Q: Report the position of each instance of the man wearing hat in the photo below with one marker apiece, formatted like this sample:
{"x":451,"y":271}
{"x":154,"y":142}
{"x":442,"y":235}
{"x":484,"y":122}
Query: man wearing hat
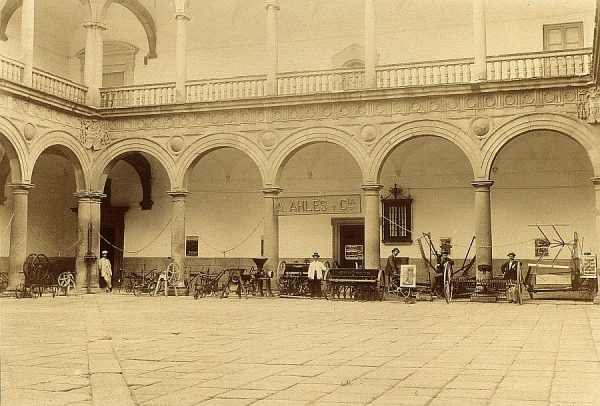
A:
{"x":316,"y":271}
{"x":393,"y":265}
{"x":509,"y":268}
{"x":105,"y":270}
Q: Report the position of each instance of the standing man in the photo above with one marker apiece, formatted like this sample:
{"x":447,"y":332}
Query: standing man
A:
{"x":437,"y":279}
{"x":316,"y":271}
{"x":105,"y":270}
{"x":393,"y":265}
{"x":509,"y":268}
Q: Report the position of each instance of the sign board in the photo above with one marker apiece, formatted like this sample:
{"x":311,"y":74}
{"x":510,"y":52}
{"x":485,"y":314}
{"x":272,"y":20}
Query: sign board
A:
{"x":353,"y":252}
{"x":325,"y":204}
{"x":408,"y":276}
{"x":588,"y":266}
{"x":191,"y":246}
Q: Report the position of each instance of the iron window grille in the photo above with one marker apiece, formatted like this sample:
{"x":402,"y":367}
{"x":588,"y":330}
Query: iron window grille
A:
{"x":397,"y":217}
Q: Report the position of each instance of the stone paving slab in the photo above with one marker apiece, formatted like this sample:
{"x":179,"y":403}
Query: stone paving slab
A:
{"x":117,"y":349}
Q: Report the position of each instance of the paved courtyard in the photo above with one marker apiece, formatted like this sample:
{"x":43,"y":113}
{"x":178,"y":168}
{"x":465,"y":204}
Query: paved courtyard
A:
{"x":117,"y":349}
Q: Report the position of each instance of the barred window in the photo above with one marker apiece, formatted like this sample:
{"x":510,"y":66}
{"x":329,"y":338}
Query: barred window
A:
{"x":397,"y":217}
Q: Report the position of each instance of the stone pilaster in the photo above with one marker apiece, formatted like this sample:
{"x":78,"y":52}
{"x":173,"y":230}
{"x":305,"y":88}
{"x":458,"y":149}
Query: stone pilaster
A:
{"x":372,"y":226}
{"x":271,"y":228}
{"x":272,"y":7}
{"x":18,"y":234}
{"x":27,"y":35}
{"x":483,"y":224}
{"x":178,"y":229}
{"x":370,"y":45}
{"x":596,"y":182}
{"x":181,"y":54}
{"x":479,"y":41}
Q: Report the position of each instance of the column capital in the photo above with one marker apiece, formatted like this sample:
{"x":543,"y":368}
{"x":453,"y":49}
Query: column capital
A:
{"x":94,"y":24}
{"x":272,"y":4}
{"x":89,"y":196}
{"x":482,"y":183}
{"x":596,"y":181}
{"x":182,"y":15}
{"x":178,"y":195}
{"x":21,"y":187}
{"x":372,"y":188}
{"x":271,"y":191}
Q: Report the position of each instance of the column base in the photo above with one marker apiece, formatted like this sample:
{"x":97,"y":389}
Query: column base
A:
{"x":597,"y":300}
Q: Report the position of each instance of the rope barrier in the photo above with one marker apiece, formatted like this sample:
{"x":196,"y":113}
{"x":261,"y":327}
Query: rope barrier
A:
{"x":6,"y":229}
{"x":236,"y":246}
{"x":60,"y":252}
{"x":137,"y":251}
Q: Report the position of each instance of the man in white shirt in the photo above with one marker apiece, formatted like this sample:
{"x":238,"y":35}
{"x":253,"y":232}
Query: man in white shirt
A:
{"x":105,"y":270}
{"x":316,"y":270}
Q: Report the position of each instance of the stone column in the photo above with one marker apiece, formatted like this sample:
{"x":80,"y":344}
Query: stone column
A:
{"x":479,"y":73}
{"x":372,"y":226}
{"x":181,"y":52}
{"x":178,"y":229}
{"x":483,"y":224}
{"x":271,"y":228}
{"x":370,"y":45}
{"x":27,"y":28}
{"x":272,"y":7}
{"x":94,"y":61}
{"x":83,"y":234}
{"x":18,"y":235}
{"x":596,"y":182}
{"x":95,"y":201}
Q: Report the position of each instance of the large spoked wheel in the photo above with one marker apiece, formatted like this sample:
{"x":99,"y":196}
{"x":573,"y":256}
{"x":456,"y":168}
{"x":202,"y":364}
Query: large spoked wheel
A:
{"x":447,"y":283}
{"x":65,"y":279}
{"x":519,"y":286}
{"x":281,"y":268}
{"x":152,"y":288}
{"x":588,"y":289}
{"x":172,"y":273}
{"x":20,"y":291}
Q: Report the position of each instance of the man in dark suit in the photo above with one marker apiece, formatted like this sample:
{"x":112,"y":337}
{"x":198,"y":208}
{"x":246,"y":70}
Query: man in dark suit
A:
{"x":437,"y":279}
{"x":509,"y":268}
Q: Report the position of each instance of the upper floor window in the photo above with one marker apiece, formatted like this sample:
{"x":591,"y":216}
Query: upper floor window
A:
{"x":563,"y":36}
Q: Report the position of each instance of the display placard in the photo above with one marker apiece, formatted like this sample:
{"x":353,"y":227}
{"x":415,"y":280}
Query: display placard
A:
{"x":353,"y":252}
{"x":588,"y":266}
{"x":191,"y":246}
{"x":408,"y":276}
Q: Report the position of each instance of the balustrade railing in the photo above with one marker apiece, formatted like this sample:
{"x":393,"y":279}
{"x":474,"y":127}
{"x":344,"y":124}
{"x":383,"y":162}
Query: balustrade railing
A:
{"x":139,"y":95}
{"x":575,"y":62}
{"x":57,"y":86}
{"x":11,"y":70}
{"x":337,"y":80}
{"x":246,"y":87}
{"x":425,"y":73}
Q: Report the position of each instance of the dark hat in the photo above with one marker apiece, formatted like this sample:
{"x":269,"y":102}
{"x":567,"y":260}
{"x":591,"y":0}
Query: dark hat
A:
{"x":511,"y":253}
{"x":316,"y":254}
{"x":396,"y":249}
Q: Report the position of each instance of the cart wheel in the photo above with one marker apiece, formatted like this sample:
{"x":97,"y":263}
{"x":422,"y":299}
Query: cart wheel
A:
{"x":152,"y":288}
{"x":137,"y":290}
{"x":587,"y":289}
{"x":20,"y":291}
{"x":196,"y":294}
{"x":64,"y":279}
{"x":447,"y":284}
{"x":36,"y":291}
{"x":281,"y":268}
{"x":172,"y":273}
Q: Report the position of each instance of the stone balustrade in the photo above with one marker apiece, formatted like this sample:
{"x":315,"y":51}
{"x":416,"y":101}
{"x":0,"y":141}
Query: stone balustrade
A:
{"x":567,"y":63}
{"x":139,"y":95}
{"x":11,"y":70}
{"x":576,"y":62}
{"x":246,"y":87}
{"x":57,"y":86}
{"x":337,"y":80}
{"x":425,"y":73}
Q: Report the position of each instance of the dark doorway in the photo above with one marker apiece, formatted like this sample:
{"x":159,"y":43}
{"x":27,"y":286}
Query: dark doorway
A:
{"x":352,"y":241}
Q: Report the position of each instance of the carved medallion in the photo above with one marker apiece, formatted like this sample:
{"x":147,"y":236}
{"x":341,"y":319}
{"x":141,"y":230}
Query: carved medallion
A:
{"x":176,"y":144}
{"x":29,"y":131}
{"x":94,"y":134}
{"x":268,"y":139}
{"x":481,"y":126}
{"x":369,"y":133}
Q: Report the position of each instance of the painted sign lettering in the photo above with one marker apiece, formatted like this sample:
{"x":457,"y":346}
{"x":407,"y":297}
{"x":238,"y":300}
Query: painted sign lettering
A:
{"x":325,"y":204}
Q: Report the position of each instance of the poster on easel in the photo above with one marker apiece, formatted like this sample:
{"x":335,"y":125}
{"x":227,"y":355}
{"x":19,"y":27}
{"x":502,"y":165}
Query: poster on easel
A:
{"x":408,"y":276}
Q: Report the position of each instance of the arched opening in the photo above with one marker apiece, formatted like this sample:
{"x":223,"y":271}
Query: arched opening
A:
{"x":437,"y":175}
{"x":52,"y":207}
{"x":541,"y":177}
{"x":321,"y":201}
{"x":135,"y":214}
{"x":224,"y":210}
